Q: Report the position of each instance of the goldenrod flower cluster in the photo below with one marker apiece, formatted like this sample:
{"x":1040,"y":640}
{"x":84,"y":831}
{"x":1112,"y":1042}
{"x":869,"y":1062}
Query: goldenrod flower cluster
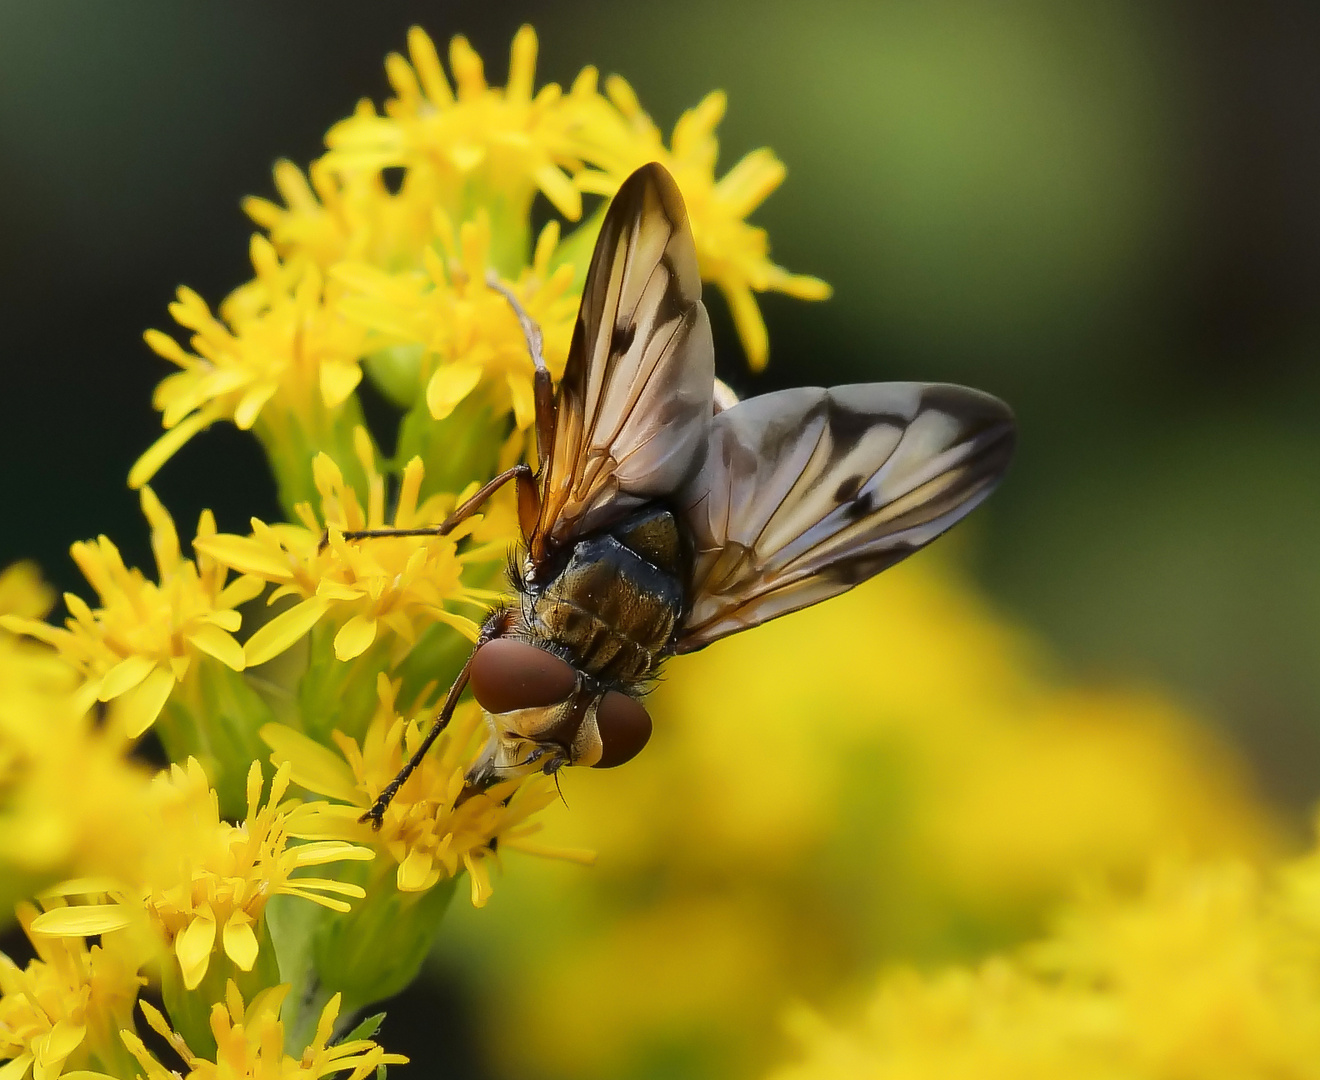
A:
{"x":1211,"y":971}
{"x":979,"y":867}
{"x":285,"y":672}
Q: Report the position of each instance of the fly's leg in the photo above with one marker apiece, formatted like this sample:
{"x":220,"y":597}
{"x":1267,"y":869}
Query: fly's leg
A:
{"x":497,"y":625}
{"x":528,"y":497}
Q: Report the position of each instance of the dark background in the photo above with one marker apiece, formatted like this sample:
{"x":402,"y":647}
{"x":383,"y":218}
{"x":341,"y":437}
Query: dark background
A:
{"x":1106,"y":212}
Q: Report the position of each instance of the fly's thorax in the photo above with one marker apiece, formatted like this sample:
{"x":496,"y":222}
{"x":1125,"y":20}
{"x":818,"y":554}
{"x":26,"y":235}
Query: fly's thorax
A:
{"x":615,"y":601}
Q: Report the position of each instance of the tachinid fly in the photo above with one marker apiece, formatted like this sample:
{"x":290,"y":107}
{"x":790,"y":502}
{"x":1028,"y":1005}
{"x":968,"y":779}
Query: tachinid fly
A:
{"x":663,"y":517}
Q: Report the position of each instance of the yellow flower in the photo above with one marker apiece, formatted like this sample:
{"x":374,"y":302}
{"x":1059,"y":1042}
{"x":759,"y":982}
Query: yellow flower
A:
{"x":209,"y":882}
{"x":327,"y":218}
{"x":468,"y":331}
{"x":892,"y":774}
{"x":618,"y":136}
{"x":71,"y":801}
{"x":288,"y":361}
{"x":144,"y":638}
{"x":481,"y":144}
{"x":436,"y":827}
{"x":250,"y":1043}
{"x":64,"y":1010}
{"x":1198,"y":977}
{"x":398,"y":584}
{"x":22,"y":592}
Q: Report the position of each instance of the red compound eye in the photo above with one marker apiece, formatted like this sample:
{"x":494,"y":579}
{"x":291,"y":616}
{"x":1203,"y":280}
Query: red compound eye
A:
{"x":624,"y":729}
{"x":508,"y":675}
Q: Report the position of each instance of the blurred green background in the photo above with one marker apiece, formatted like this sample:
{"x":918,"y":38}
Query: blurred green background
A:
{"x":1106,"y":212}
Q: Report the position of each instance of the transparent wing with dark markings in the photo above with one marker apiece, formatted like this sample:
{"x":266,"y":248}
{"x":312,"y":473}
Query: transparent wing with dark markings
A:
{"x":805,"y":493}
{"x":633,"y":409}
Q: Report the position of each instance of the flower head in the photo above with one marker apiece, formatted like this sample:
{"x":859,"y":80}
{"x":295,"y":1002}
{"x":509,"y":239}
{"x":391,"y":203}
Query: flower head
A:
{"x":1199,"y":977}
{"x":208,"y":883}
{"x":146,"y":636}
{"x":65,"y":1008}
{"x":618,"y":136}
{"x":466,"y":330}
{"x":436,"y":827}
{"x":287,"y":359}
{"x":500,"y":145}
{"x":399,"y":584}
{"x":250,"y":1043}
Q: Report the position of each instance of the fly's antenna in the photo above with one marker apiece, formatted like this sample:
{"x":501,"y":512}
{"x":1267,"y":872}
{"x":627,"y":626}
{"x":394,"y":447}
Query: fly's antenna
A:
{"x":542,"y":391}
{"x":531,"y":331}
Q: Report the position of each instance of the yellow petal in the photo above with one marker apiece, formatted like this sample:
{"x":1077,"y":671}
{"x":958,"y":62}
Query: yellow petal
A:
{"x":320,"y":852}
{"x":427,"y":62}
{"x":58,"y":1043}
{"x":466,"y":627}
{"x":215,"y":642}
{"x":450,"y":385}
{"x":416,"y":872}
{"x":747,"y":319}
{"x":313,"y":766}
{"x":245,"y":555}
{"x":193,"y":948}
{"x":355,"y":637}
{"x":80,"y":920}
{"x":339,"y":378}
{"x":139,"y":708}
{"x":251,"y":403}
{"x":165,"y":447}
{"x":18,"y":1068}
{"x":239,"y":591}
{"x":479,"y":876}
{"x":125,"y":675}
{"x":81,"y":886}
{"x":240,"y":941}
{"x":560,"y":190}
{"x":283,"y":630}
{"x":524,"y":400}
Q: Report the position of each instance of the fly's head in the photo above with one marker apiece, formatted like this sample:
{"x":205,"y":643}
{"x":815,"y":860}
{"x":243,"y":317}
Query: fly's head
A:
{"x":545,"y":714}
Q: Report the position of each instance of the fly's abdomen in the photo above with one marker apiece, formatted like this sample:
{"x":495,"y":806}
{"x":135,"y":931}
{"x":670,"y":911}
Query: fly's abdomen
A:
{"x":613,"y":609}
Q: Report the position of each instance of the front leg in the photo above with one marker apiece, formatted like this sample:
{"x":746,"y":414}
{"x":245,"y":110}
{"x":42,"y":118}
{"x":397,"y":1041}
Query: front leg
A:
{"x":529,"y":503}
{"x":496,"y":625}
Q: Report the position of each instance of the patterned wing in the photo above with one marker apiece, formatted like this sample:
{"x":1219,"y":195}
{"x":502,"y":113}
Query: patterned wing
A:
{"x":805,"y":493}
{"x":634,"y":407}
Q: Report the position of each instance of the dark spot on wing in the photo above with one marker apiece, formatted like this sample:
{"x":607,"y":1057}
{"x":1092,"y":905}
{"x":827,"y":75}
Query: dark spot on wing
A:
{"x":622,"y":340}
{"x":979,"y":415}
{"x":849,"y":488}
{"x":861,"y":506}
{"x":854,"y":571}
{"x":848,"y":426}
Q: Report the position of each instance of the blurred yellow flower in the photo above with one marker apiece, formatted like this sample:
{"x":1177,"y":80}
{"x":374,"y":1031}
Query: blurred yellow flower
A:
{"x":1198,"y":977}
{"x":892,"y":774}
{"x":144,"y":638}
{"x":65,"y":1008}
{"x":71,"y":802}
{"x":436,"y":827}
{"x":398,"y":584}
{"x":209,"y":885}
{"x":250,"y":1042}
{"x":23,"y":592}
